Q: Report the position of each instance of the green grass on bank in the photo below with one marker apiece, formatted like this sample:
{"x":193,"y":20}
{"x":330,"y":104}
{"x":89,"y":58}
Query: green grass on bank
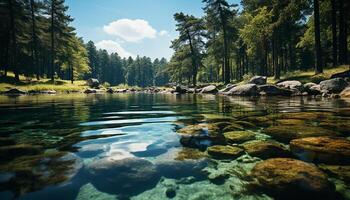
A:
{"x":26,"y":84}
{"x":309,"y":76}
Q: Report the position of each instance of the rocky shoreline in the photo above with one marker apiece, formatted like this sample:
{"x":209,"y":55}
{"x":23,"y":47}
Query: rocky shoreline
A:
{"x":257,"y":86}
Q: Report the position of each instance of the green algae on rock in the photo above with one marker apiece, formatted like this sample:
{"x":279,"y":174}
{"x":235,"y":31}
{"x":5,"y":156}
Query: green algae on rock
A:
{"x":266,"y":149}
{"x":285,"y":178}
{"x":287,"y":133}
{"x":328,"y":150}
{"x":238,"y":136}
{"x":38,"y":171}
{"x":189,"y":154}
{"x":225,"y":152}
{"x":339,"y":171}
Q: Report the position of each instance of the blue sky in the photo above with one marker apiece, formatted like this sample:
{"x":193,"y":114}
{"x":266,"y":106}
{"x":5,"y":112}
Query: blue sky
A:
{"x":131,"y":27}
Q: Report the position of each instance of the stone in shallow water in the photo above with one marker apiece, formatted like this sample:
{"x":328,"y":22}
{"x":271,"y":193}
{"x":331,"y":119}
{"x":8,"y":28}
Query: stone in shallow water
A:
{"x":225,"y":152}
{"x":4,"y":141}
{"x":266,"y":149}
{"x":189,"y":154}
{"x":340,"y":171}
{"x":285,"y":178}
{"x":286,"y":133}
{"x":126,"y":176}
{"x":239,"y":136}
{"x":329,"y":150}
{"x":13,"y":151}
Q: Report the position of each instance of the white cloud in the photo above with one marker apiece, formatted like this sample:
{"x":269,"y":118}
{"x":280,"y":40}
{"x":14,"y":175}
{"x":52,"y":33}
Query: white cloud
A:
{"x":131,"y":30}
{"x":113,"y":47}
{"x":163,"y":33}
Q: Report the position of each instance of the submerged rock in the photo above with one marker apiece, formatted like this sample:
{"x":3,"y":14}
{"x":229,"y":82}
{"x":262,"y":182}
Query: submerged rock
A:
{"x":4,"y":141}
{"x":329,"y":150}
{"x":340,"y":171}
{"x":225,"y":152}
{"x":285,"y":133}
{"x":189,"y":154}
{"x":123,"y":176}
{"x":238,"y":136}
{"x":244,"y":90}
{"x":258,"y":80}
{"x":266,"y":149}
{"x":335,"y":85}
{"x":13,"y":151}
{"x":285,"y":178}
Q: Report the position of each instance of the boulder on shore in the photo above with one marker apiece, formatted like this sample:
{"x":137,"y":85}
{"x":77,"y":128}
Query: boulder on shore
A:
{"x":93,"y":83}
{"x":335,"y":85}
{"x":90,"y":91}
{"x":14,"y":91}
{"x":272,"y":90}
{"x":179,"y":89}
{"x":244,"y":90}
{"x":210,"y":89}
{"x":227,"y":88}
{"x":258,"y":80}
{"x":345,"y":92}
{"x":329,"y":150}
{"x":285,"y":178}
{"x":292,"y":85}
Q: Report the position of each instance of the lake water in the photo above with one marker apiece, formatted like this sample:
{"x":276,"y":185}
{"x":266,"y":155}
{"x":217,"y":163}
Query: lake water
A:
{"x":136,"y":146}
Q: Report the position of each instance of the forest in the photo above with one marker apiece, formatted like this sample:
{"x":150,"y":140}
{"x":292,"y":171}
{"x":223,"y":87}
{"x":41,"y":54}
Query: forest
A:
{"x":228,"y":43}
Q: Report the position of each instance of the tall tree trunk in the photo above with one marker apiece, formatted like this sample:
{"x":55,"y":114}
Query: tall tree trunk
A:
{"x":226,"y":50}
{"x":318,"y":67}
{"x":34,"y":40}
{"x":194,"y":60}
{"x":14,"y":40}
{"x":277,"y":70}
{"x":52,"y":41}
{"x":343,"y":51}
{"x":334,"y":34}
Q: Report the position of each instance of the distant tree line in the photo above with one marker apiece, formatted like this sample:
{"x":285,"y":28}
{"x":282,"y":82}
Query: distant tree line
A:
{"x":37,"y":40}
{"x":266,"y":38}
{"x":139,"y":71}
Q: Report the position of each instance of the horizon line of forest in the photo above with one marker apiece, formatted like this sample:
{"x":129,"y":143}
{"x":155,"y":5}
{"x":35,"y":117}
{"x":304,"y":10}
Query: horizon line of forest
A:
{"x":267,"y":38}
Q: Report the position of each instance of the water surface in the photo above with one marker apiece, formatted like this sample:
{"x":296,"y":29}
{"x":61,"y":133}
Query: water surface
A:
{"x":127,"y":146}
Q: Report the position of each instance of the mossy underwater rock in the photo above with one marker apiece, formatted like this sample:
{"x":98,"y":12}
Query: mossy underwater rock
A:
{"x":11,"y":152}
{"x":225,"y":152}
{"x":123,"y":176}
{"x":329,"y":150}
{"x":285,"y":178}
{"x":266,"y":149}
{"x":4,"y":141}
{"x":340,"y":171}
{"x":238,"y":136}
{"x":285,"y":133}
{"x":189,"y":154}
{"x":200,"y":135}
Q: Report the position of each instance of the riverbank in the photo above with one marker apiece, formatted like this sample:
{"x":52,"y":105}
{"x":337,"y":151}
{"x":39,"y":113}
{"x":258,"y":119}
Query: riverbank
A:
{"x":333,"y":83}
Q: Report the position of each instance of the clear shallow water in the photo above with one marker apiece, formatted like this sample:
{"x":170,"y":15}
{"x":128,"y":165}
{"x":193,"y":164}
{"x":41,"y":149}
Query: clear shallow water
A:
{"x":128,"y":146}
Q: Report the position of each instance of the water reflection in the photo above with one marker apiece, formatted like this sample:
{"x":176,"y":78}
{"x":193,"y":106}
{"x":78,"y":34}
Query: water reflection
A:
{"x":129,"y":146}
